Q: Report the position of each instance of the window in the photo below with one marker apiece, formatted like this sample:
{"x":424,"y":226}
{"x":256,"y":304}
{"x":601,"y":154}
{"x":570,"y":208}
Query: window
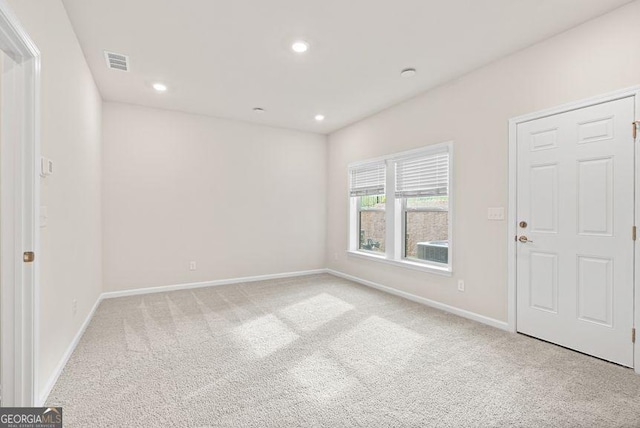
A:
{"x":401,"y":210}
{"x":372,"y":223}
{"x":367,"y":188}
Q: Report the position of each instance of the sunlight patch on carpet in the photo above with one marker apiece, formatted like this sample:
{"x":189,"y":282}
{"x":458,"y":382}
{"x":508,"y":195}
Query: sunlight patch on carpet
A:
{"x":264,"y":335}
{"x":312,"y":313}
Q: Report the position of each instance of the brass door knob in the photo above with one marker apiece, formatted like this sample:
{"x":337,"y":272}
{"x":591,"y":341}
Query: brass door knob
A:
{"x":524,"y":239}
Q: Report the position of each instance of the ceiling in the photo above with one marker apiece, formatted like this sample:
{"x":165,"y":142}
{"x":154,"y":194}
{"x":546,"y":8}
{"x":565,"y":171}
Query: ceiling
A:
{"x":225,"y":57}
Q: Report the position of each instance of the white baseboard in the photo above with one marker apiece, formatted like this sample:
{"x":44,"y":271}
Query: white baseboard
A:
{"x":215,"y":283}
{"x":431,"y":303}
{"x":44,"y":393}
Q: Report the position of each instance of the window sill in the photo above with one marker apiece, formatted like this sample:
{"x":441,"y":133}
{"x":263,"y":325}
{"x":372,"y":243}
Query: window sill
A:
{"x":404,"y":263}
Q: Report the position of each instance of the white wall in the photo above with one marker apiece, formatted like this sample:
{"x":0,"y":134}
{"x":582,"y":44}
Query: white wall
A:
{"x":239,"y":199}
{"x":597,"y":57}
{"x":70,"y":254}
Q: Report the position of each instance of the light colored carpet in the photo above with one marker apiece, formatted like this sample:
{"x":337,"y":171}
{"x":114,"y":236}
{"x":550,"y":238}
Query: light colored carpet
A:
{"x":319,"y":351}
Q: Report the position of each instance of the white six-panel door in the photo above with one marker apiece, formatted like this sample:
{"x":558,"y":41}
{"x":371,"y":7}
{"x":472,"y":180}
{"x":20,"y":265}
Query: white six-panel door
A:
{"x":575,"y":252}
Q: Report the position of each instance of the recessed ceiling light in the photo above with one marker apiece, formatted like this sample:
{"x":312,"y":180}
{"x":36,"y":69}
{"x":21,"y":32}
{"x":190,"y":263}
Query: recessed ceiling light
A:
{"x":300,"y":46}
{"x":319,"y":117}
{"x":258,"y":109}
{"x":408,"y":72}
{"x":160,"y":87}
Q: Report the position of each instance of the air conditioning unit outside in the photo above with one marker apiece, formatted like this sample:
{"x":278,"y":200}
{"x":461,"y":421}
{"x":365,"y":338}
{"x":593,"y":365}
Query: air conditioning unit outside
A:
{"x":434,"y":251}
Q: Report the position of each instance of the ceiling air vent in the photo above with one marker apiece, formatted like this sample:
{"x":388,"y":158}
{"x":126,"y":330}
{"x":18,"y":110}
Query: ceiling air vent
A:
{"x":117,"y":61}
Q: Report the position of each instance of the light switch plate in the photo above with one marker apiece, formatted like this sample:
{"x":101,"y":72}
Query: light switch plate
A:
{"x":46,"y":167}
{"x":496,"y":213}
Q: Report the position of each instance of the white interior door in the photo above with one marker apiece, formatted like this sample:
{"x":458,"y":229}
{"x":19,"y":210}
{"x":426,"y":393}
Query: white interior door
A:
{"x":19,"y":197}
{"x":575,"y":254}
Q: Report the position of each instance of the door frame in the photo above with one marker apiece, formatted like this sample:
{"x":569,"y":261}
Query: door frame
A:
{"x":512,"y":230}
{"x":20,"y":200}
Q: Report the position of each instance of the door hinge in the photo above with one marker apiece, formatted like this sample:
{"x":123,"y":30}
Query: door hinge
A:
{"x":634,"y":132}
{"x":634,"y":233}
{"x":28,"y":256}
{"x":633,"y":335}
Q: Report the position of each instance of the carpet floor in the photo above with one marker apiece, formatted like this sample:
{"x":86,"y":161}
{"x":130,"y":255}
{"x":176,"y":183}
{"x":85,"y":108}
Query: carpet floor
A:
{"x":320,"y":351}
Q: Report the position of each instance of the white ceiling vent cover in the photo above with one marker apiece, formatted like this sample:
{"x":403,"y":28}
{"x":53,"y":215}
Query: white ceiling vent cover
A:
{"x":117,"y":61}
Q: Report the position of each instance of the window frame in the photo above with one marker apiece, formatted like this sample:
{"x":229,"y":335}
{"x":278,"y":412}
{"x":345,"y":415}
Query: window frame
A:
{"x":359,"y":218}
{"x":403,"y":218}
{"x":395,"y":214}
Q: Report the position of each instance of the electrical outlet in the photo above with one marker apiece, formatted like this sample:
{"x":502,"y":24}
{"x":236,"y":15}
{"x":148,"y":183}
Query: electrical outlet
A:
{"x":460,"y":285}
{"x":495,"y":214}
{"x":192,"y":265}
{"x":335,"y":257}
{"x":74,"y":307}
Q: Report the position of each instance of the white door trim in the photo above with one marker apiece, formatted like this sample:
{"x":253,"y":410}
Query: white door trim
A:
{"x":512,"y":216}
{"x":20,"y":202}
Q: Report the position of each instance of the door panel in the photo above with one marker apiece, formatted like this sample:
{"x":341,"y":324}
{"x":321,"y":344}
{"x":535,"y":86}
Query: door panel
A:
{"x":595,"y":288}
{"x":576,"y":193}
{"x":543,"y":280}
{"x":595,"y":197}
{"x":544,"y":198}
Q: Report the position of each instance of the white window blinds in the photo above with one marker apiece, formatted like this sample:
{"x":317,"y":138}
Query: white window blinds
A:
{"x":423,"y":176}
{"x":367,"y":179}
